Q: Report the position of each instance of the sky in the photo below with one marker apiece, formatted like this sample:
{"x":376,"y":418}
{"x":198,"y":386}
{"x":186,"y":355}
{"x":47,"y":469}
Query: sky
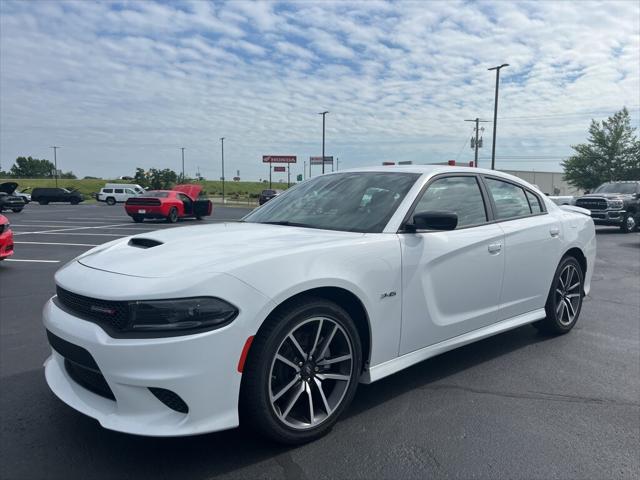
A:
{"x":120,"y":85}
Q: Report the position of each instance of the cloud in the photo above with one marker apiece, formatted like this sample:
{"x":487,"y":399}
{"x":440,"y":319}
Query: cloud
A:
{"x":121,"y":85}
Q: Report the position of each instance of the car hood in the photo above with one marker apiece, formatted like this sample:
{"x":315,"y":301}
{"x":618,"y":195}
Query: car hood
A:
{"x":208,"y":248}
{"x":8,"y":187}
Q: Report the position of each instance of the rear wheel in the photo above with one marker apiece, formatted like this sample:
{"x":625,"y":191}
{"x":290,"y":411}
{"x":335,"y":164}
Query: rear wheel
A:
{"x":565,"y":298}
{"x":173,"y":215}
{"x":111,"y":201}
{"x":43,"y":202}
{"x":138,"y":218}
{"x":302,"y":372}
{"x":74,"y":202}
{"x":629,"y":224}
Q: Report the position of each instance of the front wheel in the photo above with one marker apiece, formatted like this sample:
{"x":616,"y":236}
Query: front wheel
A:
{"x":16,"y":210}
{"x":565,"y":298}
{"x":302,"y":372}
{"x":173,"y":215}
{"x":629,"y":224}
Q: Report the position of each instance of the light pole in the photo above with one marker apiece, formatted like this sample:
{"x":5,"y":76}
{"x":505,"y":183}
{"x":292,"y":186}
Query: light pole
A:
{"x":495,"y":114}
{"x":323,"y":116}
{"x":182,"y":148}
{"x":222,"y":145}
{"x":55,"y":163}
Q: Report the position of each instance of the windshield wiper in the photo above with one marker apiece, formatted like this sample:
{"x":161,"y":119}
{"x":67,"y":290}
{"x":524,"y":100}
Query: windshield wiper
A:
{"x":288,"y":224}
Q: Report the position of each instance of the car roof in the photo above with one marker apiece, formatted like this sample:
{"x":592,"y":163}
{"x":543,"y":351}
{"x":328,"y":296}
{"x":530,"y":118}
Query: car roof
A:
{"x":432,"y":170}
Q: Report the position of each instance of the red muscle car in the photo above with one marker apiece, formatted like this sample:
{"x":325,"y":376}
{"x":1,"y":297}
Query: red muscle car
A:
{"x":180,"y":202}
{"x":6,"y":238}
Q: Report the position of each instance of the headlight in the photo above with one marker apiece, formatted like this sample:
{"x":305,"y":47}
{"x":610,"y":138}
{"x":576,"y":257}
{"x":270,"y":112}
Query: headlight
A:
{"x":615,"y":203}
{"x":199,"y":313}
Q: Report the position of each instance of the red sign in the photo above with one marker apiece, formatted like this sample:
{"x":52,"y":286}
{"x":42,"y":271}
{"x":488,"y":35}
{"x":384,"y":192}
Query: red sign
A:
{"x":279,"y":159}
{"x":388,"y":163}
{"x":318,"y":160}
{"x":279,"y":169}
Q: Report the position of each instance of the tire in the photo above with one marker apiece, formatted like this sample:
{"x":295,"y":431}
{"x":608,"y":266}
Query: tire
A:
{"x":138,"y":218}
{"x":74,"y":202}
{"x":43,"y":202}
{"x":198,"y":217}
{"x":110,"y":201}
{"x":16,"y":210}
{"x":274,"y":396}
{"x":173,"y":215}
{"x":629,"y":224}
{"x":559,"y":319}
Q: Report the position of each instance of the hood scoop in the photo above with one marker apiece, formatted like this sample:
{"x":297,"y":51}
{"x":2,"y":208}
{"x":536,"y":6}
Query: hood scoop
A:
{"x":144,"y":242}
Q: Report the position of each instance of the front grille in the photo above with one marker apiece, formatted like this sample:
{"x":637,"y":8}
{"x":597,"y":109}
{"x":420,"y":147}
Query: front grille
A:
{"x":143,"y":201}
{"x":92,"y":380}
{"x":112,"y":314}
{"x":81,"y":366}
{"x":170,"y":399}
{"x":592,"y":203}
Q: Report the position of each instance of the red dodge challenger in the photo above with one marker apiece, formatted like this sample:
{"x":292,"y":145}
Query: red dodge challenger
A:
{"x":179,"y":202}
{"x":6,"y":238}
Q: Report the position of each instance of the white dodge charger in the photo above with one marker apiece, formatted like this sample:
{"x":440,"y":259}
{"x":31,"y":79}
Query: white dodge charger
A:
{"x":274,"y":320}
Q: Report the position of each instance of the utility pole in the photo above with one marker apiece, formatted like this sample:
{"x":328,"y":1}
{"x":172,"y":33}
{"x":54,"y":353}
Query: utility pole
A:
{"x":337,"y":163}
{"x":476,"y":143}
{"x":304,"y":170}
{"x":55,"y":163}
{"x":182,"y":148}
{"x":495,"y":114}
{"x":324,"y":114}
{"x":222,"y":145}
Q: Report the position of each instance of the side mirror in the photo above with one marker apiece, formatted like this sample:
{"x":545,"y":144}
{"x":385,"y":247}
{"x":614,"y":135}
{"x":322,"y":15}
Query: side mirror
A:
{"x":435,"y":221}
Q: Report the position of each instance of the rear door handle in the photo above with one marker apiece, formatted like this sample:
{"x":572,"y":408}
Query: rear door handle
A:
{"x":494,"y":247}
{"x":554,"y":231}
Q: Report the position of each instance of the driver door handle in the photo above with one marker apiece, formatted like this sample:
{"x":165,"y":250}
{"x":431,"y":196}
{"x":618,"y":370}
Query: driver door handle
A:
{"x":494,"y":247}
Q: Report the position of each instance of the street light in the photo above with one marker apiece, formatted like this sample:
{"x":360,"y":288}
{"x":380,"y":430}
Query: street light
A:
{"x":55,"y":163}
{"x":495,"y":114}
{"x":182,"y":148}
{"x":222,"y":145}
{"x":323,"y":115}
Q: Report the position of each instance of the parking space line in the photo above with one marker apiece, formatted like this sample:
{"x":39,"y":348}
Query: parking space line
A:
{"x":54,"y":243}
{"x":65,"y":229}
{"x":68,"y":221}
{"x":34,"y":261}
{"x":72,"y":233}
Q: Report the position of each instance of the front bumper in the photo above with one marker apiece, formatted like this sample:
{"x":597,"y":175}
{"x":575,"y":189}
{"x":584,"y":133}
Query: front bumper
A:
{"x":201,"y":369}
{"x":608,"y":217}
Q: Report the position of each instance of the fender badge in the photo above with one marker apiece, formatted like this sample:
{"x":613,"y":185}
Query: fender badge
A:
{"x":386,"y":295}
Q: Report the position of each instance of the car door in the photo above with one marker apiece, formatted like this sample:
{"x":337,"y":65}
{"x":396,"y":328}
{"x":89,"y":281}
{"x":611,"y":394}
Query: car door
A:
{"x":451,"y":280}
{"x":532,"y":246}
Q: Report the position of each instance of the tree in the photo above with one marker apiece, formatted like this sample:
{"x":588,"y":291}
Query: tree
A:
{"x":28,"y":167}
{"x":612,"y":153}
{"x":162,"y":179}
{"x":140,"y":178}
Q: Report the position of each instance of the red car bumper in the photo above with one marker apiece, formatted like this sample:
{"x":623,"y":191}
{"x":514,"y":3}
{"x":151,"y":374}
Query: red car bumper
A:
{"x":147,"y":211}
{"x":6,"y":244}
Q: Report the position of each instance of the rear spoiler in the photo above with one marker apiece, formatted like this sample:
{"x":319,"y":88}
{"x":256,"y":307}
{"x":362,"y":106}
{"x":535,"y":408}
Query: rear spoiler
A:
{"x":573,"y":208}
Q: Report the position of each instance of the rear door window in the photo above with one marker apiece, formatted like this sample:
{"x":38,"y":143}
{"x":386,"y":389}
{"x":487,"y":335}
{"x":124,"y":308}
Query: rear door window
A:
{"x":118,"y":190}
{"x":510,"y":200}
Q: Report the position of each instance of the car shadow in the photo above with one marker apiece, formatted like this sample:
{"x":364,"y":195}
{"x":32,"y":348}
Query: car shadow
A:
{"x":67,"y":444}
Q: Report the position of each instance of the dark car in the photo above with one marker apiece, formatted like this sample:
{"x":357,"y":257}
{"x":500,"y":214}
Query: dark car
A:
{"x":614,"y":204}
{"x":267,"y":195}
{"x":9,"y":201}
{"x":46,"y":195}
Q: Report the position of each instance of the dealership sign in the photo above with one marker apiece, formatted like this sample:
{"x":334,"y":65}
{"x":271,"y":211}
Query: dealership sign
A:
{"x":318,"y":160}
{"x":279,"y":169}
{"x":279,"y":159}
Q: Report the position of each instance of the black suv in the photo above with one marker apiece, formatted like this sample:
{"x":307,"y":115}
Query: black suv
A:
{"x":267,"y":195}
{"x":46,"y":195}
{"x":615,"y":204}
{"x":9,"y":201}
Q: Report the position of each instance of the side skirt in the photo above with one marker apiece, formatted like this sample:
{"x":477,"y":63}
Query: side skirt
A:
{"x":389,"y":367}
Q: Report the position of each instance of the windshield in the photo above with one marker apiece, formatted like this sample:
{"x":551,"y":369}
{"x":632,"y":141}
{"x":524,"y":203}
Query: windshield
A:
{"x":352,"y":202}
{"x":625,"y":188}
{"x":156,"y":193}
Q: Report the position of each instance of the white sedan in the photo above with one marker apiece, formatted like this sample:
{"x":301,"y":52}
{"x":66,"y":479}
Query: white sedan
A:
{"x":274,"y":320}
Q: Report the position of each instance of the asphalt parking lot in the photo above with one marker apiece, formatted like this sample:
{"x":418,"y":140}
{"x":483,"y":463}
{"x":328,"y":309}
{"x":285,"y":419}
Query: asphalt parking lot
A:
{"x":518,"y":405}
